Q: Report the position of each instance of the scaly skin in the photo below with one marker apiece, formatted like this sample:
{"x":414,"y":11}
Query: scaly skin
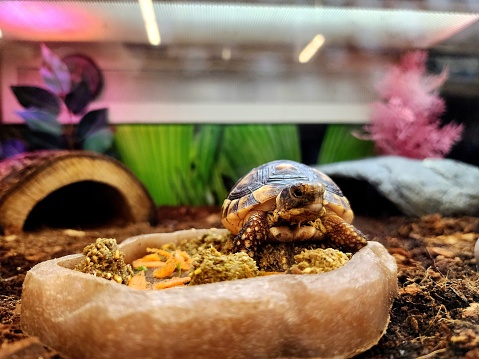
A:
{"x":254,"y":232}
{"x":343,"y":234}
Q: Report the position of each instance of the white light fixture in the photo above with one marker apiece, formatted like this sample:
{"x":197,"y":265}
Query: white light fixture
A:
{"x":311,"y":48}
{"x":1,"y":34}
{"x":149,"y":18}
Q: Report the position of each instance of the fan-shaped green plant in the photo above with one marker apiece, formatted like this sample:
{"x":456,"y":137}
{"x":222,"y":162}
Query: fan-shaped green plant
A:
{"x":198,"y":164}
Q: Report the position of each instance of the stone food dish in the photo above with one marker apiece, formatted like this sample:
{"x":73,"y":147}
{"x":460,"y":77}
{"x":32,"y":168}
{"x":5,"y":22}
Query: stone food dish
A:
{"x":331,"y":315}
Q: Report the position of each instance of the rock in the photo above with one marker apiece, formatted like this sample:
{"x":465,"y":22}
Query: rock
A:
{"x":415,"y":187}
{"x":332,"y":315}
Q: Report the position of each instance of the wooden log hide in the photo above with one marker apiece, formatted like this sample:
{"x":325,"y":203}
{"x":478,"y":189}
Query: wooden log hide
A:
{"x":36,"y":181}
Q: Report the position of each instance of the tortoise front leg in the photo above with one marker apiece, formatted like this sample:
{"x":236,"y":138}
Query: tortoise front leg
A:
{"x":345,"y":235}
{"x":254,"y":231}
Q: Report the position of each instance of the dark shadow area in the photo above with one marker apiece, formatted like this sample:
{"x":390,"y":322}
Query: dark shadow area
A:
{"x":311,"y":139}
{"x":80,"y":205}
{"x":465,"y":110}
{"x":365,"y":199}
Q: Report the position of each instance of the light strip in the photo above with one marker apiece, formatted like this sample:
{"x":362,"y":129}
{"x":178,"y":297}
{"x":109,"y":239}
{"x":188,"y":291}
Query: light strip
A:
{"x":311,"y":48}
{"x":1,"y":34}
{"x":149,"y":18}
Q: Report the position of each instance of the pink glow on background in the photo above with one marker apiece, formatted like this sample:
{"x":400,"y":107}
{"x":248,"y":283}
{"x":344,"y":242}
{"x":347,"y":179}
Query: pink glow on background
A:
{"x":45,"y":21}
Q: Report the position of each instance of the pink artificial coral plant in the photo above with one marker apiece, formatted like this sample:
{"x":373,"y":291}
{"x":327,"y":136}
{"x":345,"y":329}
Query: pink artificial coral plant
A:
{"x":406,"y":122}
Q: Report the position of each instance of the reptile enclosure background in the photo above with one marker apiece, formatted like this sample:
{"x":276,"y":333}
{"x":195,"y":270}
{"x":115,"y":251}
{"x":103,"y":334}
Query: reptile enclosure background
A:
{"x":225,"y":91}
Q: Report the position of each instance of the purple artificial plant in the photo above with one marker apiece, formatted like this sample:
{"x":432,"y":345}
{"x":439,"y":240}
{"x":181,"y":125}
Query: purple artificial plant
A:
{"x":64,"y":92}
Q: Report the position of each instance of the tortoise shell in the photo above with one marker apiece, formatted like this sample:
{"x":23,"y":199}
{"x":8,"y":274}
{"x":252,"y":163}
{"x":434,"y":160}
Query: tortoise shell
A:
{"x":257,"y":191}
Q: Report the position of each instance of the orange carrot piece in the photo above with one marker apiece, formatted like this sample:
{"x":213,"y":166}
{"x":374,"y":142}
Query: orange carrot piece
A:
{"x":173,"y":282}
{"x":159,"y":251}
{"x":185,"y":255}
{"x":270,"y":273}
{"x":166,"y":270}
{"x":138,"y":281}
{"x":148,"y":264}
{"x":151,"y":257}
{"x":185,"y":263}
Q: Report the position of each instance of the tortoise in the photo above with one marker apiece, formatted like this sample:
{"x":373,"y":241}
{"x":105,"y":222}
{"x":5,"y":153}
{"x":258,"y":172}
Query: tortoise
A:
{"x":287,"y":201}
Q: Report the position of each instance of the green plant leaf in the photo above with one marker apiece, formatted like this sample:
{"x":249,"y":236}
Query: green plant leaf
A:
{"x":196,"y":186}
{"x":179,"y":165}
{"x":206,"y":149}
{"x":99,"y":141}
{"x":32,"y":96}
{"x":92,"y":122}
{"x":246,"y":146}
{"x":55,"y":72}
{"x":41,"y":121}
{"x":159,"y":156}
{"x":339,"y":144}
{"x":79,"y":98}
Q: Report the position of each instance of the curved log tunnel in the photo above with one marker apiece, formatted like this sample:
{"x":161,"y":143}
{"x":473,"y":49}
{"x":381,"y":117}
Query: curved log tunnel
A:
{"x":70,"y":189}
{"x":80,"y":205}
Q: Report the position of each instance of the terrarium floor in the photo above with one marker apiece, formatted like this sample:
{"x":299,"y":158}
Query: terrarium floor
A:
{"x":436,"y":314}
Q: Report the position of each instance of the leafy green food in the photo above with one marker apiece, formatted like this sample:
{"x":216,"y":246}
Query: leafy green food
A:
{"x":139,"y":269}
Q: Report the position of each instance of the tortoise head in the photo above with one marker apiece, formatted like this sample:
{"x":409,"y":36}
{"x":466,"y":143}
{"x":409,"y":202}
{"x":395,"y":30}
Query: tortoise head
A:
{"x":301,"y":195}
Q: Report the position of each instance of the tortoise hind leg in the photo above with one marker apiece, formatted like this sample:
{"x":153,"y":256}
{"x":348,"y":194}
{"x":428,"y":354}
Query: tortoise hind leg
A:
{"x":345,"y":235}
{"x":254,"y":231}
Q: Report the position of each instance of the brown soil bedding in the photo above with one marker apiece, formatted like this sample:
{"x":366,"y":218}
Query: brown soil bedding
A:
{"x":436,"y":314}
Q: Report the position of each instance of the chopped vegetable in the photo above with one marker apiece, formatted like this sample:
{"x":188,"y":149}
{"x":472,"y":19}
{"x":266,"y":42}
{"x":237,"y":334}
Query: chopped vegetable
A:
{"x":183,"y":259}
{"x":173,"y":282}
{"x":140,"y":268}
{"x":159,"y":251}
{"x":152,"y":257}
{"x":148,"y":264}
{"x":166,"y":270}
{"x":264,"y":274}
{"x":206,"y":259}
{"x":138,"y":281}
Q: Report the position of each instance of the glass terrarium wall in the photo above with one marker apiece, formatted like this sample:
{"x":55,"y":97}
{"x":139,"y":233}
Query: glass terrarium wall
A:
{"x":230,"y":85}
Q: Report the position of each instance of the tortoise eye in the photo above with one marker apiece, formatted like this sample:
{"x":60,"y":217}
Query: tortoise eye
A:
{"x":297,"y":192}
